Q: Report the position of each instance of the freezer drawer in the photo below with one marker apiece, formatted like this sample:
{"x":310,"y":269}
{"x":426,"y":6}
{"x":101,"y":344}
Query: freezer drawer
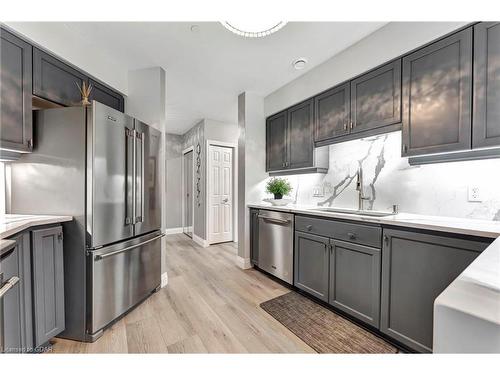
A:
{"x":122,"y":275}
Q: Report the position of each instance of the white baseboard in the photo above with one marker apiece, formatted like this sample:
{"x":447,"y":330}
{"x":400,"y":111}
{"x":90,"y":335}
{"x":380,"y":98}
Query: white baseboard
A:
{"x":243,"y":263}
{"x":200,"y":241}
{"x":164,"y":280}
{"x":173,"y":231}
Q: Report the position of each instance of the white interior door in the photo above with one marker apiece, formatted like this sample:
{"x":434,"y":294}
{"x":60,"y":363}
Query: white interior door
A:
{"x":220,"y":194}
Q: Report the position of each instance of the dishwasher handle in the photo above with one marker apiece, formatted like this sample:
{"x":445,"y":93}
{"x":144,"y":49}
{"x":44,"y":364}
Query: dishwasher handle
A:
{"x":274,"y":220}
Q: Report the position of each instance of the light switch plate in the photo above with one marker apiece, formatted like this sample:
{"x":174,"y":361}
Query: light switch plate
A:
{"x":474,"y":194}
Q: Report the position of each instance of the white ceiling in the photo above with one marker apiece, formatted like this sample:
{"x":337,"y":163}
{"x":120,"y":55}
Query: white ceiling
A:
{"x":207,"y":70}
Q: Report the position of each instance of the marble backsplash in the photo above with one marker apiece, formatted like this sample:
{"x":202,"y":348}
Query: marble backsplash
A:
{"x":434,"y":189}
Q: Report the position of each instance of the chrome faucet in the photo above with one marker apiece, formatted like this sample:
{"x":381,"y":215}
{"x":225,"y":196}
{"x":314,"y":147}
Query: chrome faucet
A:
{"x":359,"y":188}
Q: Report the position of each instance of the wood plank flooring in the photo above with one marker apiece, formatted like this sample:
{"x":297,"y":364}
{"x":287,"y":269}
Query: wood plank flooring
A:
{"x":209,"y":306}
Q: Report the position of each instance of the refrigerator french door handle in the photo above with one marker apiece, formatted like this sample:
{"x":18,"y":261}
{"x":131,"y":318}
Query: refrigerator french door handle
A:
{"x":129,"y":183}
{"x":139,"y":179}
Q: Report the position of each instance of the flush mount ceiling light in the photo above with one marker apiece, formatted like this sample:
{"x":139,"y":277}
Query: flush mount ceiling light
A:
{"x":253,"y":29}
{"x":299,"y":63}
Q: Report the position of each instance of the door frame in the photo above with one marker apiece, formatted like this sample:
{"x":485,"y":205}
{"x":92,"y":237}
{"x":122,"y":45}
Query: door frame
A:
{"x":183,"y":175}
{"x":234,"y":146}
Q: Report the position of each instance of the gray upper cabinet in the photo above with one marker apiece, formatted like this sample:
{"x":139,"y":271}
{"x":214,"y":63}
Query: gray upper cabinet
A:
{"x":300,"y":136}
{"x":376,"y":98}
{"x":355,"y":280}
{"x":311,"y":264}
{"x":56,"y":81}
{"x":486,"y":119}
{"x":48,"y":283}
{"x":332,"y":113}
{"x":437,"y":84}
{"x":276,"y":142}
{"x":15,"y":93}
{"x":416,"y":268}
{"x":106,"y":96}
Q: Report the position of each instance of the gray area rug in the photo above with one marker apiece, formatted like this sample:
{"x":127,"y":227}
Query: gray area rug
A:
{"x":322,"y":329}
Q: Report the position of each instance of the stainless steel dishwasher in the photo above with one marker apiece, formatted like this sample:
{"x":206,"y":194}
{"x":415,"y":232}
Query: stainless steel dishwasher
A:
{"x":276,"y":244}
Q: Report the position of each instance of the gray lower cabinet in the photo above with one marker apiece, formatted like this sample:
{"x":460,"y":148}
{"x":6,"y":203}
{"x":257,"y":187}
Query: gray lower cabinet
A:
{"x":311,"y":264}
{"x":48,"y":283}
{"x":56,"y":81}
{"x":15,"y":93}
{"x":376,"y":98}
{"x":355,"y":280}
{"x":416,"y":268}
{"x":106,"y":96}
{"x":332,"y":113}
{"x":437,"y":92}
{"x":276,"y":141}
{"x":486,"y":119}
{"x":254,"y":236}
{"x":17,"y":302}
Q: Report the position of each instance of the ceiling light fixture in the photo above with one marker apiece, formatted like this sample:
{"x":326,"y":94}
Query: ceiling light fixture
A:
{"x":299,"y":63}
{"x":254,"y":29}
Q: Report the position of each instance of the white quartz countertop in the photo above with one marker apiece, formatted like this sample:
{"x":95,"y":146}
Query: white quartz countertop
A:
{"x":471,"y":227}
{"x":12,"y":224}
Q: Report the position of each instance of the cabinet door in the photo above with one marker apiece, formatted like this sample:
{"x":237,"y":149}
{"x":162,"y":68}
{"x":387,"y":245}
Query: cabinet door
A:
{"x":276,"y":137}
{"x":48,"y":283}
{"x":376,"y":98}
{"x":254,"y":236}
{"x":355,"y":281}
{"x":437,"y":96}
{"x":300,"y":136}
{"x":486,"y":119}
{"x":416,"y":268}
{"x":332,"y":110}
{"x":15,"y":93}
{"x":13,"y":328}
{"x":106,"y":96}
{"x":55,"y":81}
{"x":311,"y":267}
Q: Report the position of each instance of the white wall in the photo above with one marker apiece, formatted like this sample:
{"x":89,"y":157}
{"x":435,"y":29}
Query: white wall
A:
{"x":251,"y":165}
{"x":390,"y":41}
{"x":147,"y":101}
{"x":77,"y":50}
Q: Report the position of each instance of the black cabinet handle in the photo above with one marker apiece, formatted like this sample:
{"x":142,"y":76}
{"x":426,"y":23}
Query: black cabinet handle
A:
{"x":309,"y":227}
{"x":352,"y":236}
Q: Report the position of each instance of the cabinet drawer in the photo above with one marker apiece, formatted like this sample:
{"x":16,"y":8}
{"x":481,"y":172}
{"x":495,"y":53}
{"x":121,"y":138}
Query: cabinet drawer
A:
{"x":356,"y":233}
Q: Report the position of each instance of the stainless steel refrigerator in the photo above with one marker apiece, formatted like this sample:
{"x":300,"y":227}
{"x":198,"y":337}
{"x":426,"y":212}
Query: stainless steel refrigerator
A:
{"x":100,"y":166}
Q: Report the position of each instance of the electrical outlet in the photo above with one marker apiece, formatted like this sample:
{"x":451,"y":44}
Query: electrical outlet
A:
{"x":475,"y":194}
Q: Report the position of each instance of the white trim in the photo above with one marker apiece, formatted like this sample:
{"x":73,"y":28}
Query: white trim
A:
{"x":243,"y":263}
{"x":164,"y":280}
{"x":184,"y":152}
{"x":200,"y":241}
{"x":169,"y":231}
{"x":234,"y":146}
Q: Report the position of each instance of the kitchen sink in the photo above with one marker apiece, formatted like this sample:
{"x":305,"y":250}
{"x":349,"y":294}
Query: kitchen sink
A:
{"x":354,"y":212}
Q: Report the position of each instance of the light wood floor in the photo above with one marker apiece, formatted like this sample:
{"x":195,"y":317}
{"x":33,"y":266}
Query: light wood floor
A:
{"x":209,"y":306}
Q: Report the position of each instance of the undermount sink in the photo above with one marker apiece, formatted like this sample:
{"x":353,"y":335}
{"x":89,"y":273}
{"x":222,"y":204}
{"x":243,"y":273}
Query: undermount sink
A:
{"x":354,"y":212}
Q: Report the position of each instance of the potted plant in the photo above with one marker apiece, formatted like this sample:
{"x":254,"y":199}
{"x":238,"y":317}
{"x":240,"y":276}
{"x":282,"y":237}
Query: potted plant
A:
{"x":278,"y":187}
